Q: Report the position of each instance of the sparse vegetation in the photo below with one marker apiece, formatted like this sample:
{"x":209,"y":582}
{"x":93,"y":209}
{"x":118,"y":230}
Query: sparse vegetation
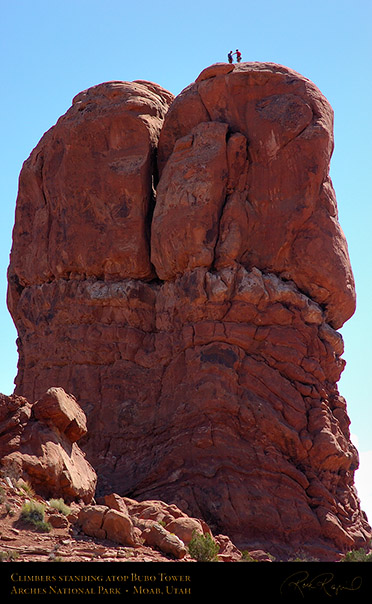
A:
{"x":26,"y":488}
{"x":357,"y":555}
{"x":54,"y":555}
{"x":9,"y":510}
{"x":303,"y":558}
{"x":34,"y":513}
{"x":2,"y":495}
{"x":8,"y":556}
{"x":203,"y":548}
{"x":43,"y":527}
{"x":60,"y":506}
{"x":246,"y":557}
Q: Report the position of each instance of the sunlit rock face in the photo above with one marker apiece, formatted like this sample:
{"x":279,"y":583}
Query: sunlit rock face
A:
{"x":38,"y":442}
{"x":178,"y":265}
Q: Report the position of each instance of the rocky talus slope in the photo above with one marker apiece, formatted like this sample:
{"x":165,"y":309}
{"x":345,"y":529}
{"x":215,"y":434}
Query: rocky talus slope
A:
{"x":47,"y":507}
{"x":178,"y":266}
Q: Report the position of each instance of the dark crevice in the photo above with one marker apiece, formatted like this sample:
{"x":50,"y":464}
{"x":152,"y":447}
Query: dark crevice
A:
{"x":15,"y":284}
{"x":298,"y":134}
{"x":204,"y":105}
{"x":219,"y":218}
{"x":150,"y":211}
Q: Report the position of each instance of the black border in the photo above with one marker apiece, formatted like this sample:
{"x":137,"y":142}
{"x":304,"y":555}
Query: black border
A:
{"x":186,"y":582}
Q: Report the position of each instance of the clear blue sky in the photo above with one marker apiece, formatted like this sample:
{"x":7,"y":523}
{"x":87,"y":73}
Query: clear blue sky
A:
{"x":51,"y":50}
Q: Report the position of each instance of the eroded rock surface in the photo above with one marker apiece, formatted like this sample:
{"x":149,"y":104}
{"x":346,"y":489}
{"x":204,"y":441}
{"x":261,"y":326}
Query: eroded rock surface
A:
{"x":262,"y":137}
{"x":87,"y":189}
{"x":39,"y":442}
{"x":196,"y":324}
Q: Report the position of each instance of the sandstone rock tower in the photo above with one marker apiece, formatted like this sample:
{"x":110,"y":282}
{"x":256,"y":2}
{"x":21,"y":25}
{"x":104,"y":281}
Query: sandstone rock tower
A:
{"x":178,"y":266}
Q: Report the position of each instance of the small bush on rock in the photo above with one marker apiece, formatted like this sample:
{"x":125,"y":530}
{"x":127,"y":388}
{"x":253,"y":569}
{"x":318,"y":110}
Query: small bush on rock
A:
{"x":33,"y":513}
{"x":246,"y":557}
{"x":60,"y":506}
{"x":203,"y":548}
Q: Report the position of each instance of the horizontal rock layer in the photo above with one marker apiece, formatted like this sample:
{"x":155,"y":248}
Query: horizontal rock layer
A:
{"x":216,"y":392}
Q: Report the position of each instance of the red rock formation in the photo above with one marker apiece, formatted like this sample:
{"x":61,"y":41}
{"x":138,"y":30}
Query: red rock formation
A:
{"x":207,"y":362}
{"x":274,"y":207}
{"x":87,"y":189}
{"x":40,"y":443}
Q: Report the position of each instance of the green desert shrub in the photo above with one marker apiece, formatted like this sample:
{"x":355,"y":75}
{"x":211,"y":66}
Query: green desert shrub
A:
{"x":302,"y":556}
{"x":34,"y":513}
{"x":246,"y":557}
{"x":60,"y":506}
{"x":357,"y":555}
{"x":42,"y":526}
{"x":203,"y":548}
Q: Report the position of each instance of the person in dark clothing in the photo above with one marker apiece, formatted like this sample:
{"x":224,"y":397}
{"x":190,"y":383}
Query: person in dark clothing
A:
{"x":230,"y":56}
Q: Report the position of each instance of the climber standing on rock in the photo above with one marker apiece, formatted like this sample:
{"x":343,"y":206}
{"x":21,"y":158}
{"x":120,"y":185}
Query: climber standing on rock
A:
{"x":230,"y":56}
{"x":238,"y":55}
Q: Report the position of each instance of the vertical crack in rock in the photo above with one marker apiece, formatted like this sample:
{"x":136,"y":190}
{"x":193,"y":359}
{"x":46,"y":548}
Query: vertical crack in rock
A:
{"x":196,"y":324}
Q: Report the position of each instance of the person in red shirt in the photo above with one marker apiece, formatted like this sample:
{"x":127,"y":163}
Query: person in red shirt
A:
{"x":238,"y":55}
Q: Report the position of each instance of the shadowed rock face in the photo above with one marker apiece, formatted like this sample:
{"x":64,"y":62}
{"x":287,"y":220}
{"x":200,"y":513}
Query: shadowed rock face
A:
{"x":191,"y":305}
